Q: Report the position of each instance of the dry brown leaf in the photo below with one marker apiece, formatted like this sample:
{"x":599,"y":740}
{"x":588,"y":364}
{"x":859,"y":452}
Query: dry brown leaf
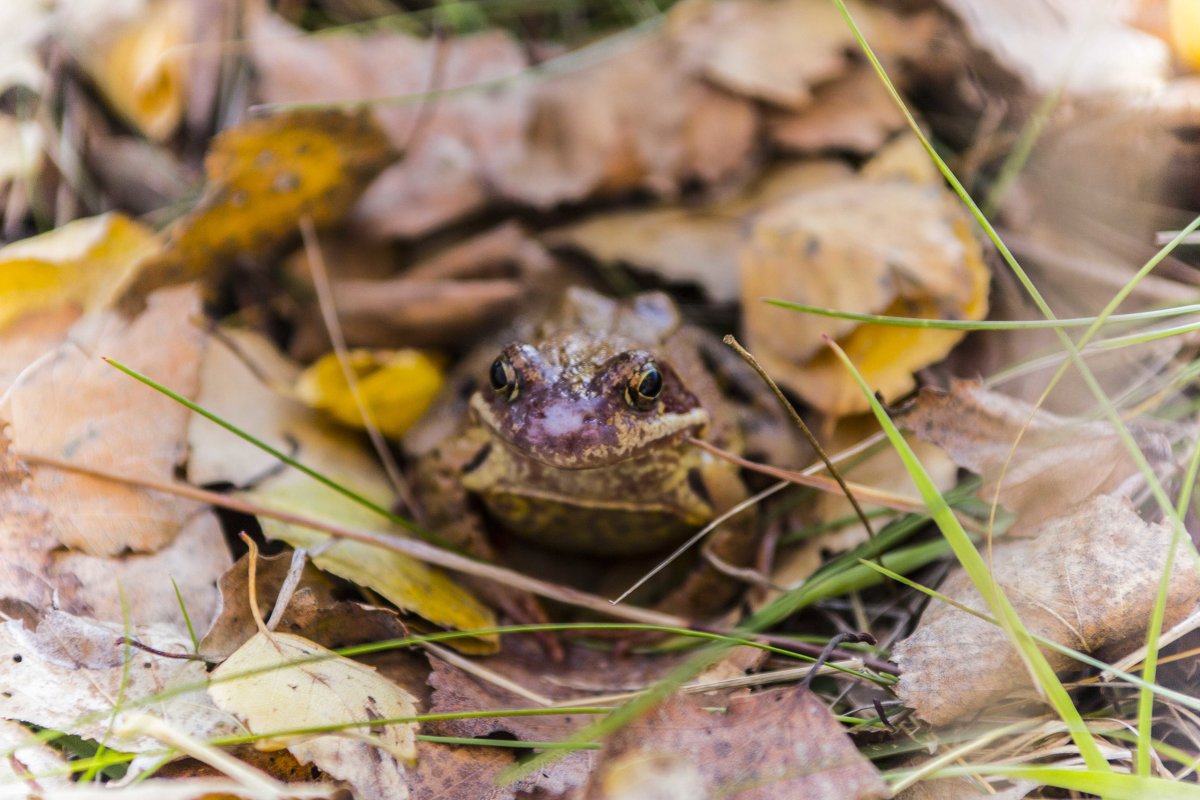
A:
{"x":641,"y":119}
{"x":452,"y":772}
{"x":853,"y":113}
{"x":920,"y":259}
{"x":693,"y":245}
{"x":456,"y":295}
{"x":299,"y":684}
{"x":449,"y":138}
{"x":26,"y":539}
{"x":1087,"y":579}
{"x":100,"y":587}
{"x":234,"y":623}
{"x":31,"y":337}
{"x":67,"y":673}
{"x":313,"y":612}
{"x":807,"y":753}
{"x":772,"y":51}
{"x":1059,"y":463}
{"x":264,"y":177}
{"x":584,"y":672}
{"x":75,"y":407}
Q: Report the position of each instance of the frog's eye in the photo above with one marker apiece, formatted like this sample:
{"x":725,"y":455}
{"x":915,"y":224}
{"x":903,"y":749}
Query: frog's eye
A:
{"x":503,"y":378}
{"x":644,"y":387}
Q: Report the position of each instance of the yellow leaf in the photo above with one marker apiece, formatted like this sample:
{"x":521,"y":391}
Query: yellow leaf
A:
{"x":264,"y":177}
{"x":1184,"y":18}
{"x":295,"y":683}
{"x":76,"y":264}
{"x":139,"y":67}
{"x":396,"y":387}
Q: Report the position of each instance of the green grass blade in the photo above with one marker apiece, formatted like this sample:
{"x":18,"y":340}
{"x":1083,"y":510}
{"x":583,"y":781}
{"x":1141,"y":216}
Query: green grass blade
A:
{"x":986,"y":325}
{"x":977,"y":570}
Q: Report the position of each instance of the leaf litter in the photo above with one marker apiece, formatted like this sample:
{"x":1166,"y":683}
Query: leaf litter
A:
{"x":726,"y":151}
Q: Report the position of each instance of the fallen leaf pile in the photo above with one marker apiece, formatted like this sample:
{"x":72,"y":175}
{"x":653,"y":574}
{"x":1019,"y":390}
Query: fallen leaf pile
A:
{"x":319,"y":225}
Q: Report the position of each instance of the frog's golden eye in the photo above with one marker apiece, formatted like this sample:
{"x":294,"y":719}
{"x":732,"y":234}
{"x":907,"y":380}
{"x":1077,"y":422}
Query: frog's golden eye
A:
{"x":503,"y":378}
{"x":644,"y":387}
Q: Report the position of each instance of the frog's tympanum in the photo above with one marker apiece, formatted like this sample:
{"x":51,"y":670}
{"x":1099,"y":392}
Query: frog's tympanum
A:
{"x":576,"y":437}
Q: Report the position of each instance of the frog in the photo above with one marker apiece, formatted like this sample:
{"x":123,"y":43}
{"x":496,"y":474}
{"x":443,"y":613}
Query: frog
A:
{"x":577,"y":436}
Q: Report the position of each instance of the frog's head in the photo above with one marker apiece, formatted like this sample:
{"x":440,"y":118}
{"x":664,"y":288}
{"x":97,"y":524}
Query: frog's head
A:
{"x":578,"y":404}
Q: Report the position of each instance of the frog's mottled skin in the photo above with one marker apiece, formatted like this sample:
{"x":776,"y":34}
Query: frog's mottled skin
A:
{"x":568,"y":461}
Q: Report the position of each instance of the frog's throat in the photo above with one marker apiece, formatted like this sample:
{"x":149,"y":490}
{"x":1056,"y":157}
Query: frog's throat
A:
{"x":595,"y":445}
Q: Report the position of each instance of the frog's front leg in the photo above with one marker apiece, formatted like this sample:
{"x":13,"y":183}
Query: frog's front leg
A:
{"x":707,"y":591}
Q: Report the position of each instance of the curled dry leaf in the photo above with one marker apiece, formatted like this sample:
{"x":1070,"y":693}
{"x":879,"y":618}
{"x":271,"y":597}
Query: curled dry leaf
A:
{"x":75,"y":407}
{"x":1084,"y":47}
{"x":75,"y":265}
{"x":264,"y":177}
{"x":69,"y":674}
{"x":1087,"y":580}
{"x":134,"y":53}
{"x":921,"y":259}
{"x":299,"y":684}
{"x":233,"y":391}
{"x":1058,"y":463}
{"x":394,"y":386}
{"x":807,"y":753}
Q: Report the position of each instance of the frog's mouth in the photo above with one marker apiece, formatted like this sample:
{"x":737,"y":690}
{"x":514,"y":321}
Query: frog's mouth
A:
{"x":575,"y":437}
